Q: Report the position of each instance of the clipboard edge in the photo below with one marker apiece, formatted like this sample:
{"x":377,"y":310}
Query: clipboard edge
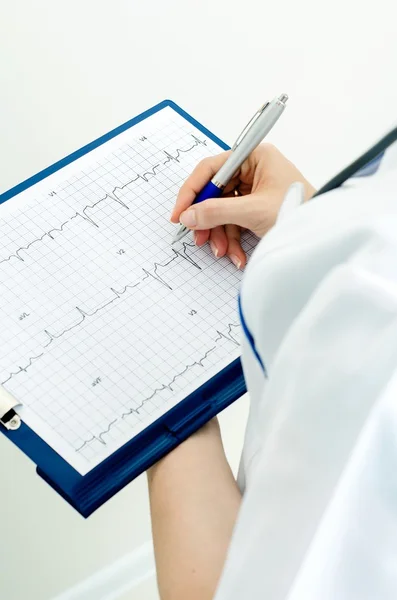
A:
{"x":63,"y":162}
{"x":55,"y":470}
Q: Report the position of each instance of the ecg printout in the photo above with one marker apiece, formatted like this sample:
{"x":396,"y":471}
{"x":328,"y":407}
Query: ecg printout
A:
{"x":104,"y":325}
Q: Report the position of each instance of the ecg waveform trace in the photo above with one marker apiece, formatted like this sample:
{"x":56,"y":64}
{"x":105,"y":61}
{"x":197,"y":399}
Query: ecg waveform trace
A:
{"x":117,"y":294}
{"x":109,"y":195}
{"x":113,"y":337}
{"x":199,"y":362}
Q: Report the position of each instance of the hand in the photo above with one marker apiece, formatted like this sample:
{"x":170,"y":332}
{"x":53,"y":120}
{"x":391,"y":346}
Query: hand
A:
{"x":261,"y":183}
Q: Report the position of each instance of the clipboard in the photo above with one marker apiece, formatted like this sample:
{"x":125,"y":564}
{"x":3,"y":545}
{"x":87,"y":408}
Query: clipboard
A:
{"x":86,"y":493}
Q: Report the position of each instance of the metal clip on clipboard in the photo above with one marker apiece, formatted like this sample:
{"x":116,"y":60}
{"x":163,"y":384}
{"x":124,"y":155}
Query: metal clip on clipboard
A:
{"x":8,"y":417}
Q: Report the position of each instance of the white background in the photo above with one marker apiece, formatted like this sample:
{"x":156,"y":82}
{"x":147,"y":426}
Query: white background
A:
{"x":69,"y":72}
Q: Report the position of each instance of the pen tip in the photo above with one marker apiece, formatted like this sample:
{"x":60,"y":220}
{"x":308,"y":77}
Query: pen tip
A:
{"x":283,"y":98}
{"x":182,"y":231}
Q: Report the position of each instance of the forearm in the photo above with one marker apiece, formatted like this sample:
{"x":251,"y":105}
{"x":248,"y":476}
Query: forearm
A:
{"x":194,"y":503}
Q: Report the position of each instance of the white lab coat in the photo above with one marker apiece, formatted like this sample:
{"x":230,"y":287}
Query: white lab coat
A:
{"x":319,"y":467}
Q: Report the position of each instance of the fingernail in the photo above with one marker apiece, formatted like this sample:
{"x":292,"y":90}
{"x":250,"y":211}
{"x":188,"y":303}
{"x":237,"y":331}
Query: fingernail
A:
{"x":188,"y":218}
{"x":235,"y":260}
{"x":195,"y":238}
{"x":214,"y":249}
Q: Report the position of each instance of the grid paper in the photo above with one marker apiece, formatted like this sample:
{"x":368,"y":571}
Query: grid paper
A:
{"x":105,"y":325}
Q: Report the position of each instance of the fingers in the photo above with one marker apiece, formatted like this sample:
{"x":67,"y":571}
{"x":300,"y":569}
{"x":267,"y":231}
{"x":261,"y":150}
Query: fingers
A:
{"x":218,"y":211}
{"x":224,"y":240}
{"x":201,"y":237}
{"x":218,"y":241}
{"x":234,"y":249}
{"x":232,"y":185}
{"x":201,"y":175}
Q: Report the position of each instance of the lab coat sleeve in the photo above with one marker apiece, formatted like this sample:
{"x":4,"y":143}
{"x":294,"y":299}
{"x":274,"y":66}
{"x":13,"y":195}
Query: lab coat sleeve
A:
{"x":325,"y":385}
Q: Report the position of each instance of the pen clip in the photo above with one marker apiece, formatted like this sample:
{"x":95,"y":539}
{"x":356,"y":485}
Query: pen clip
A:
{"x":249,"y":125}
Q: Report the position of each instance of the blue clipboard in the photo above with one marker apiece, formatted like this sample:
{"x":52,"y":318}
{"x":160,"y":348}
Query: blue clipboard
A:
{"x":87,"y":493}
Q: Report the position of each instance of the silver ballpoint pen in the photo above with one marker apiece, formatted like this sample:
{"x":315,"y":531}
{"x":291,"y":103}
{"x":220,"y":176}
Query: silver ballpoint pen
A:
{"x":251,"y":136}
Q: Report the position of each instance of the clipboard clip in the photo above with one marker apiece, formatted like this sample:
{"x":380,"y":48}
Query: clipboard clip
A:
{"x":249,"y":125}
{"x":8,"y":417}
{"x":11,"y":420}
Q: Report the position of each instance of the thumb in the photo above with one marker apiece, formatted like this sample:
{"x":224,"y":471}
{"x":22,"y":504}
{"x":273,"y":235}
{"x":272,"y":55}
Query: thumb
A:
{"x":210,"y":213}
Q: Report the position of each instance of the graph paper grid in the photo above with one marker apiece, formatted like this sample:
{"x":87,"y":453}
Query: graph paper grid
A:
{"x":104,"y":325}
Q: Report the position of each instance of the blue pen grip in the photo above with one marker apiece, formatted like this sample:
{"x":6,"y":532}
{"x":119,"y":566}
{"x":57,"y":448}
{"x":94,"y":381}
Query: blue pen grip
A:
{"x":209,"y":191}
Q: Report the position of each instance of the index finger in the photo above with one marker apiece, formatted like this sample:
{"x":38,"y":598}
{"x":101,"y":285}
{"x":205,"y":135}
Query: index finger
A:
{"x":201,"y":175}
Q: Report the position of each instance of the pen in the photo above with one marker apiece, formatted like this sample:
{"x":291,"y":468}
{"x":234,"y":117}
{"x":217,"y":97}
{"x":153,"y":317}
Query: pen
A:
{"x":251,"y":136}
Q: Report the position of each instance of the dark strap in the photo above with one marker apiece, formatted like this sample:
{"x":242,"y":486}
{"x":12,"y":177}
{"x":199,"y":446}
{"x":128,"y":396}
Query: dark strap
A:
{"x":359,"y":163}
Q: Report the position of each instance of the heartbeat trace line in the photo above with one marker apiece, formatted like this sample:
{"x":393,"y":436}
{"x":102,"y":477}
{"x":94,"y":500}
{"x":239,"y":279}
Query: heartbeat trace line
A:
{"x":229,"y":334}
{"x":111,"y":195}
{"x":83,"y":314}
{"x":100,"y":437}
